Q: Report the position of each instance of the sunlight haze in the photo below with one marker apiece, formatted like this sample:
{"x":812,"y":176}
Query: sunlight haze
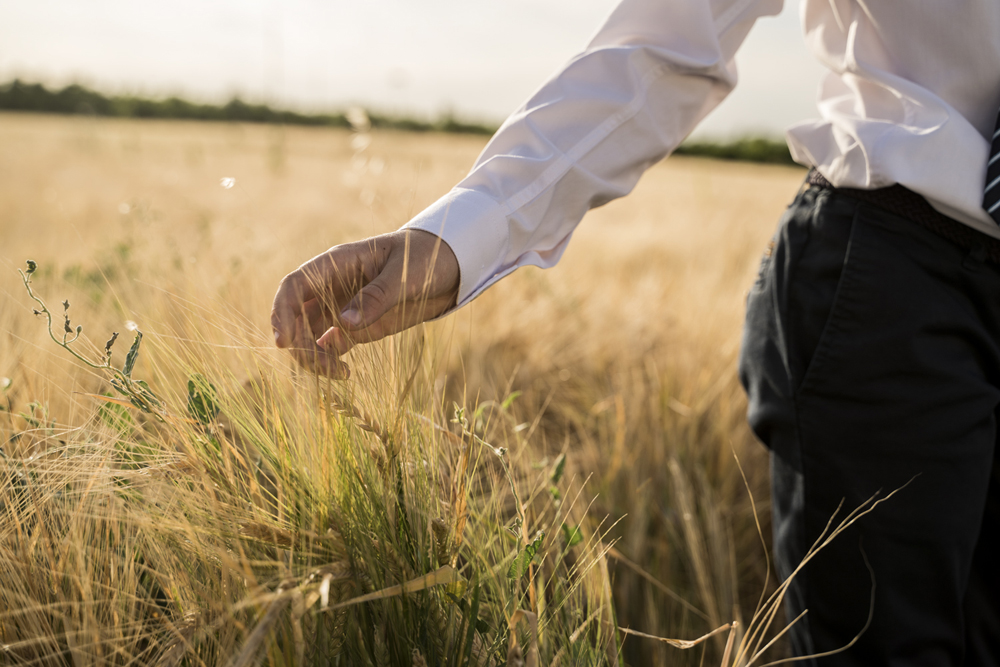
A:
{"x":477,"y":60}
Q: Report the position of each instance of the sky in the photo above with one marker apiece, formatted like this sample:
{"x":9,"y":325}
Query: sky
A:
{"x":477,"y":59}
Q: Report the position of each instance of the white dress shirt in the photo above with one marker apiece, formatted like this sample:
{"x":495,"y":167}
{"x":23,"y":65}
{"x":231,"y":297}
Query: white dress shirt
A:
{"x":911,"y":97}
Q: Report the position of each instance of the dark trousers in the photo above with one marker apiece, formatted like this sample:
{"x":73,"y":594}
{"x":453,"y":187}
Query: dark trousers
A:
{"x":871,"y":357}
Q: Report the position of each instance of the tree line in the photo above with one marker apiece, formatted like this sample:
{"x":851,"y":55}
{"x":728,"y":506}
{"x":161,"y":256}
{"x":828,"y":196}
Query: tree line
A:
{"x":75,"y":99}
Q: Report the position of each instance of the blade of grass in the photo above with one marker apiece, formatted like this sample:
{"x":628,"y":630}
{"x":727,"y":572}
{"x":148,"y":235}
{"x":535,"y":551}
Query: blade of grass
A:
{"x":443,"y":575}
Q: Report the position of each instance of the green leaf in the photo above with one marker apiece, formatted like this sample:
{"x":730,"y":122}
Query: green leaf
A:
{"x":474,"y":614}
{"x":147,"y":393}
{"x":133,"y":354}
{"x":202,"y":403}
{"x":518,"y":566}
{"x":559,"y":468}
{"x":507,"y":402}
{"x":523,"y":559}
{"x":457,"y":601}
{"x":515,"y":528}
{"x":572,"y":535}
{"x":536,"y":544}
{"x":114,"y":415}
{"x":32,"y":422}
{"x":459,"y":417}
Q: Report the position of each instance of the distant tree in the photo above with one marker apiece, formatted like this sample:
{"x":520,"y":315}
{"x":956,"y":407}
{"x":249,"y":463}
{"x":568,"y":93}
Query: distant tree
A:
{"x":75,"y":99}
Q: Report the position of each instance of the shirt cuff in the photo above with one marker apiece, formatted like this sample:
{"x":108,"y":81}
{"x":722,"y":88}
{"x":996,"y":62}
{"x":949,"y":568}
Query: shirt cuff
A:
{"x":475,"y":227}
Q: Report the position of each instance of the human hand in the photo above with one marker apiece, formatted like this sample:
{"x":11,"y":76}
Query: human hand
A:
{"x":361,"y":292}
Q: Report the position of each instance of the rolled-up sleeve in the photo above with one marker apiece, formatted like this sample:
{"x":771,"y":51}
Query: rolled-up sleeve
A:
{"x":651,"y":73}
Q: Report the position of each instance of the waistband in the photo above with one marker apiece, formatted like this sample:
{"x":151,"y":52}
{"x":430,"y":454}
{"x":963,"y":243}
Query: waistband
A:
{"x":906,"y":203}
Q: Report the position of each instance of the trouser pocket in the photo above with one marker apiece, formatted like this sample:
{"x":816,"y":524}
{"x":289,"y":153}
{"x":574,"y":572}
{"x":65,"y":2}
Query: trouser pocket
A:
{"x":790,"y":305}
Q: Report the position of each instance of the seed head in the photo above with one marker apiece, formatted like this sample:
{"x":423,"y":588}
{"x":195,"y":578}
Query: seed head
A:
{"x":31,"y":267}
{"x":110,"y":344}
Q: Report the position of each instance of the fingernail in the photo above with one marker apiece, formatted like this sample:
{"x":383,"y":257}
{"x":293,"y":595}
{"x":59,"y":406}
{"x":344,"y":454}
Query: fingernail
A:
{"x":351,"y":317}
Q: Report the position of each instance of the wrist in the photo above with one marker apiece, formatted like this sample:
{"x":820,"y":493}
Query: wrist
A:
{"x":473,"y":228}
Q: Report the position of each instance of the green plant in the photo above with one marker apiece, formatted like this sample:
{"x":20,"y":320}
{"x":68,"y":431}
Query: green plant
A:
{"x":295,"y":521}
{"x":137,"y":392}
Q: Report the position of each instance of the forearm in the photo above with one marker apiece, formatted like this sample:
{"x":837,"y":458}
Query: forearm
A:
{"x":652,"y":72}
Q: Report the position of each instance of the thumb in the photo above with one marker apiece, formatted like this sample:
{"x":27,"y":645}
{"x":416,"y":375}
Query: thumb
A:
{"x":373,"y":301}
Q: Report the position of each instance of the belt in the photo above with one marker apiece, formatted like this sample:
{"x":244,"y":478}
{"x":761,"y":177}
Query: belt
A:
{"x":906,"y":203}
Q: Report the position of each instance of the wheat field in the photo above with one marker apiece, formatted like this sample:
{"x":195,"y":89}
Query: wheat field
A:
{"x":596,"y":403}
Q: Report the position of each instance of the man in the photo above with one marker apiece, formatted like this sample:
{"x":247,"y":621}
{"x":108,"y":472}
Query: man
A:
{"x":871,"y":352}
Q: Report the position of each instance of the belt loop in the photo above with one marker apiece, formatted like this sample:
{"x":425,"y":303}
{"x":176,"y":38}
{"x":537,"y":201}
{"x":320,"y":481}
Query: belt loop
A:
{"x":898,"y":200}
{"x":803,"y":187}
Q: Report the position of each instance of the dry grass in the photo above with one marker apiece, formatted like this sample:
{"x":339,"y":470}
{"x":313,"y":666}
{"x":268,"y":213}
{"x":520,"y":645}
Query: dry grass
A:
{"x":624,"y":356}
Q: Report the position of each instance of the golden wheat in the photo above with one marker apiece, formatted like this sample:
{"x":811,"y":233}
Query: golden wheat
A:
{"x":623,"y":358}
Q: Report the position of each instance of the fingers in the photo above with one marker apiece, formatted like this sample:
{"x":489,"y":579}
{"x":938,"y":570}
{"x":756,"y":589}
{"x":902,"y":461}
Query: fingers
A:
{"x":308,"y":298}
{"x":329,"y":280}
{"x":318,"y":361}
{"x":315,"y":318}
{"x":336,"y":341}
{"x":358,"y":293}
{"x":418,"y":269}
{"x":308,"y":354}
{"x":374,"y":300}
{"x":286,"y":311}
{"x":340,"y":340}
